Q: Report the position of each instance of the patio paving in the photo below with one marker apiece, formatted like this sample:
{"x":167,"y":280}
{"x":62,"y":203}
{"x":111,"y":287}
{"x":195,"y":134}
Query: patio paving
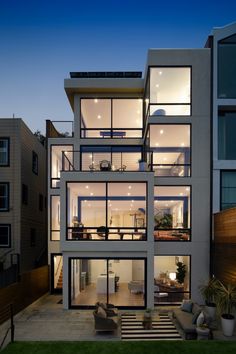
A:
{"x":46,"y":320}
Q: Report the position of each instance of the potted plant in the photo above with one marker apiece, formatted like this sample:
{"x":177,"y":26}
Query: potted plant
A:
{"x":226,"y":303}
{"x":180,"y":272}
{"x":208,"y":291}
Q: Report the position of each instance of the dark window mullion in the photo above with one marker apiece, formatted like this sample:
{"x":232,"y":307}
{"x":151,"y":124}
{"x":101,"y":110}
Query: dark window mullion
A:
{"x":111,"y":118}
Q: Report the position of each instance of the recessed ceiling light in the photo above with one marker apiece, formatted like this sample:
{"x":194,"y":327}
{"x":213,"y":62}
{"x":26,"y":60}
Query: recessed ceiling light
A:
{"x":160,"y":166}
{"x":161,"y":131}
{"x":85,"y":201}
{"x":157,"y":144}
{"x":128,"y":193}
{"x":130,"y":187}
{"x":132,"y":201}
{"x":95,"y":100}
{"x":157,"y":85}
{"x":99,"y":116}
{"x":87,"y":187}
{"x":187,"y":189}
{"x":160,"y":72}
{"x":66,"y":152}
{"x":155,"y":201}
{"x":91,"y":156}
{"x":182,"y":144}
{"x":181,"y":193}
{"x":91,"y":193}
{"x":164,"y":158}
{"x":172,"y":201}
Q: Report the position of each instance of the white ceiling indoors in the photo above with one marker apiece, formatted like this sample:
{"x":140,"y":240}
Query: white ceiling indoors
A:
{"x":126,"y":113}
{"x":172,"y":191}
{"x":174,"y":135}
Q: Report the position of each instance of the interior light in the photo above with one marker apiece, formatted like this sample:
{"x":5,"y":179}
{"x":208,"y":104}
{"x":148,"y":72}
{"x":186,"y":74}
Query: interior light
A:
{"x":160,"y":72}
{"x":155,"y":201}
{"x":172,"y":276}
{"x":157,"y":144}
{"x":99,"y":116}
{"x":95,"y":100}
{"x":181,"y":194}
{"x":157,"y":85}
{"x":129,"y":187}
{"x":91,"y":193}
{"x":128,"y":193}
{"x":161,"y":131}
{"x":172,"y":201}
{"x":87,"y":187}
{"x":138,"y":112}
{"x":85,"y":201}
{"x":187,"y":189}
{"x":164,"y":158}
{"x":182,"y":144}
{"x":132,"y":201}
{"x":160,"y":166}
{"x":66,"y":152}
{"x":91,"y":156}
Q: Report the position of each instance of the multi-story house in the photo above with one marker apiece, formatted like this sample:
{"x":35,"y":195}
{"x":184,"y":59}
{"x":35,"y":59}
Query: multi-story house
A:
{"x":23,"y":239}
{"x":129,"y":188}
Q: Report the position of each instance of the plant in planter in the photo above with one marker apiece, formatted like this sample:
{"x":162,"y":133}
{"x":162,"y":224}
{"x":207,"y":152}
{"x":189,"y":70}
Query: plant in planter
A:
{"x":180,"y":272}
{"x":208,"y":291}
{"x":226,"y":303}
{"x":163,"y":221}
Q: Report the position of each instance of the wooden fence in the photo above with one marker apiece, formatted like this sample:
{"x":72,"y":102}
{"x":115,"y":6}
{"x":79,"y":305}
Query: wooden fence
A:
{"x":224,"y":246}
{"x":30,"y":287}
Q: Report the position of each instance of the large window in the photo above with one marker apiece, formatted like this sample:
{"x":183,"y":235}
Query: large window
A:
{"x":228,"y":189}
{"x":171,"y":279}
{"x":119,"y":158}
{"x":117,"y":281}
{"x":106,"y":211}
{"x":5,"y":235}
{"x":58,"y":162}
{"x":4,"y":152}
{"x":170,"y":150}
{"x":35,"y":162}
{"x":55,"y":218}
{"x":111,"y":118}
{"x":170,"y":91}
{"x":172,"y":213}
{"x":4,"y":196}
{"x":227,"y":67}
{"x":226,"y":135}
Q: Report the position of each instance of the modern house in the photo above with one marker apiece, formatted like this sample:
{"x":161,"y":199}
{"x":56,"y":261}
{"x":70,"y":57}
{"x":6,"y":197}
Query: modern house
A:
{"x":22,"y":197}
{"x":129,"y":184}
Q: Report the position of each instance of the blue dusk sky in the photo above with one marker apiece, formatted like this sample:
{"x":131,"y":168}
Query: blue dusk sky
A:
{"x":42,"y":41}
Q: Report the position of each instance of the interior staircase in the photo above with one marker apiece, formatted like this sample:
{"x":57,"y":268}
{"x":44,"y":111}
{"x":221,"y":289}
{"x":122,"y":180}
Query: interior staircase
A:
{"x":60,"y":280}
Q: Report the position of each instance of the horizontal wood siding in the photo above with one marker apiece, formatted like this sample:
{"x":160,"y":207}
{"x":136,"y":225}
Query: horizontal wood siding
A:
{"x":31,"y":286}
{"x":224,"y":247}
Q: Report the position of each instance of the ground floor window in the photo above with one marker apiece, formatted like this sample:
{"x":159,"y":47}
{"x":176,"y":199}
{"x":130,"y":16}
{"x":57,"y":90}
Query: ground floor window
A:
{"x":121,"y":282}
{"x":171,"y":279}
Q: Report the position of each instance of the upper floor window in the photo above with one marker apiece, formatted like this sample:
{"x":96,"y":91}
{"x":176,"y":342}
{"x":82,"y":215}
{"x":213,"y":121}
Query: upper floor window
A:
{"x":170,"y":150}
{"x":169,"y":91}
{"x":106,"y":211}
{"x":4,"y":152}
{"x":5,"y":235}
{"x":228,"y":189}
{"x":58,"y":163}
{"x":4,"y":196}
{"x":226,"y":135}
{"x":227,"y":67}
{"x":24,"y":193}
{"x":111,"y":118}
{"x":34,"y":162}
{"x":55,"y":218}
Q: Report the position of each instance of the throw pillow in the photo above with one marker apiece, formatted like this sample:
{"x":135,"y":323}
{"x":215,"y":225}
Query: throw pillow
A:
{"x":101,"y":312}
{"x":186,"y":307}
{"x":200,"y":319}
{"x":195,"y":316}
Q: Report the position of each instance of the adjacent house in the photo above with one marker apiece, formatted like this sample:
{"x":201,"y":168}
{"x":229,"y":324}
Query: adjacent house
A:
{"x":22,"y":197}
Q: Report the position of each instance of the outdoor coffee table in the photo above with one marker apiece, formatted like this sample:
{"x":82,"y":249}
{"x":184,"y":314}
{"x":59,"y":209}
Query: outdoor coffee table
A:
{"x":202,"y":333}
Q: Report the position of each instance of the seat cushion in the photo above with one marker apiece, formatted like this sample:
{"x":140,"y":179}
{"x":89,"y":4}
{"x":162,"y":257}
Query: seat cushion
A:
{"x":101,"y":312}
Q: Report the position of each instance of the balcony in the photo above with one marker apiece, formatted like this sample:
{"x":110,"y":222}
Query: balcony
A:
{"x":103,"y":233}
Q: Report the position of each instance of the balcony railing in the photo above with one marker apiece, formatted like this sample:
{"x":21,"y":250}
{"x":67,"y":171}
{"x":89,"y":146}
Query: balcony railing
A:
{"x":170,"y":170}
{"x":172,"y":234}
{"x":103,"y":233}
{"x":111,"y":133}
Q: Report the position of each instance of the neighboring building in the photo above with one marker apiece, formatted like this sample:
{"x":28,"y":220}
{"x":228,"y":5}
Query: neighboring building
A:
{"x":117,"y":227}
{"x":222,"y":42}
{"x":22,"y":197}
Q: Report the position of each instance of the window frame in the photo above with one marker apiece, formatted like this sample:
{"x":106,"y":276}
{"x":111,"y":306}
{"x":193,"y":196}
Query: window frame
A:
{"x":52,"y":230}
{"x":7,"y":164}
{"x":9,"y":236}
{"x":111,"y":98}
{"x":221,"y":192}
{"x":35,"y":163}
{"x":7,"y":184}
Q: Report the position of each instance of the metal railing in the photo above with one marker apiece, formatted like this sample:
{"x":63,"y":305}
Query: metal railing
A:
{"x":172,"y":234}
{"x":5,"y":314}
{"x":106,"y":234}
{"x":111,"y":133}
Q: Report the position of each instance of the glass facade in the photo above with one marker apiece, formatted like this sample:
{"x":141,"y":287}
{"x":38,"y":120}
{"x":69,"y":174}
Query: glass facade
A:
{"x":226,"y":135}
{"x":55,"y":218}
{"x":117,"y":281}
{"x":58,"y":163}
{"x":227,"y":67}
{"x":228,"y":189}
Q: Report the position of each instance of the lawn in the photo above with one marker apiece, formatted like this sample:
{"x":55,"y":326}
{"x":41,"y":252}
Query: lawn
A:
{"x":158,"y":347}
